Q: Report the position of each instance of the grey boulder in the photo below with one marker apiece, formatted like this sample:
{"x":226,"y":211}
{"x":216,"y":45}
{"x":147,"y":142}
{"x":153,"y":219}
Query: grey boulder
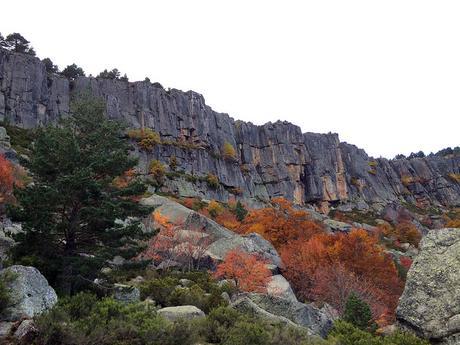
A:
{"x":430,"y":304}
{"x":286,"y":311}
{"x":181,"y":312}
{"x":30,"y":292}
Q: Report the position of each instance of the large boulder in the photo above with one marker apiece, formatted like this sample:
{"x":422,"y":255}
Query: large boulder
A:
{"x":30,"y":293}
{"x":287,"y":311}
{"x":430,"y":304}
{"x":181,"y":312}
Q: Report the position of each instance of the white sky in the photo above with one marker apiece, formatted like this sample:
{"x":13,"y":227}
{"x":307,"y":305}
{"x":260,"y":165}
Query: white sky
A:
{"x":385,"y":75}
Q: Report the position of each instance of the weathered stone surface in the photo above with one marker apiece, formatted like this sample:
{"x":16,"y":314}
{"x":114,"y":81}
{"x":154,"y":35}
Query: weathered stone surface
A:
{"x":275,"y":159}
{"x":278,"y":286}
{"x":5,"y":329}
{"x":25,"y":331}
{"x":286,"y":311}
{"x":430,"y":304}
{"x":181,"y":312}
{"x":31,"y":295}
{"x":246,"y":305}
{"x":126,"y":293}
{"x":221,"y":240}
{"x":4,"y":139}
{"x":335,"y":225}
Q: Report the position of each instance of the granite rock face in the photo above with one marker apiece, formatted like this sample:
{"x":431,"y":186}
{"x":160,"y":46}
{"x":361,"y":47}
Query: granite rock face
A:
{"x":275,"y":159}
{"x":286,"y":311}
{"x":30,"y":293}
{"x":430,"y":304}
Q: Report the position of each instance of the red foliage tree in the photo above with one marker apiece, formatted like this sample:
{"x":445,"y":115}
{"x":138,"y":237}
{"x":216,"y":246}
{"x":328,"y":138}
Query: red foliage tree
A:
{"x":339,"y":263}
{"x":6,"y":179}
{"x":249,"y":272}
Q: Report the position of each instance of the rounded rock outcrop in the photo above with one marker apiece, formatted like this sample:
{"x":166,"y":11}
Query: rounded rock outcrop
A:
{"x":30,"y":293}
{"x":430,"y":304}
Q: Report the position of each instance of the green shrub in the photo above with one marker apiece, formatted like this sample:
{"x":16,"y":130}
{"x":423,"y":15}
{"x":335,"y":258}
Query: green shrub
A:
{"x":247,"y":333}
{"x":159,"y":289}
{"x":240,"y":211}
{"x":21,"y":139}
{"x":218,"y":323}
{"x":204,"y":293}
{"x":357,"y":312}
{"x":83,"y":320}
{"x":345,"y":333}
{"x":402,"y":338}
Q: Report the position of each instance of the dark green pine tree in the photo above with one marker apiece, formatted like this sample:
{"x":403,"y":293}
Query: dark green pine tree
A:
{"x":358,"y":313}
{"x":240,"y":211}
{"x":17,"y":43}
{"x":73,"y":71}
{"x":69,"y":213}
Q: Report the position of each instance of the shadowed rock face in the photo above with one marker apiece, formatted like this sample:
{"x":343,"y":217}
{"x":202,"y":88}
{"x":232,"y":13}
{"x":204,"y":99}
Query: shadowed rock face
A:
{"x":430,"y":304}
{"x":272,"y":160}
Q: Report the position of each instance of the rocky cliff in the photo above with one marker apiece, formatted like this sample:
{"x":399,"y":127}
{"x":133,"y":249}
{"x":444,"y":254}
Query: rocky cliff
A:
{"x":275,"y":159}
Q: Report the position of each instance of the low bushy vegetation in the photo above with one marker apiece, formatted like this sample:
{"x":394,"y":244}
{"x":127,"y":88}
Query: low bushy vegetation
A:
{"x":146,"y":138}
{"x":213,"y":181}
{"x":228,"y":151}
{"x":85,"y":319}
{"x":201,"y":291}
{"x":21,"y":139}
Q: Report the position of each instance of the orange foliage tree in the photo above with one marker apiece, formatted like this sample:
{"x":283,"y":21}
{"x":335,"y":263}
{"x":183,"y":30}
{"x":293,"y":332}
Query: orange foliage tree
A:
{"x":280,"y":224}
{"x":249,"y":272}
{"x":6,"y":179}
{"x":403,"y":231}
{"x":339,"y":263}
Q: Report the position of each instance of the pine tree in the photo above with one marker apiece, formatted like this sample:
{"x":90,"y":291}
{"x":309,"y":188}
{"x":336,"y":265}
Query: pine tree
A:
{"x":71,"y":213}
{"x":50,"y":66}
{"x":73,"y":71}
{"x":17,"y":43}
{"x":357,"y":312}
{"x":240,"y":211}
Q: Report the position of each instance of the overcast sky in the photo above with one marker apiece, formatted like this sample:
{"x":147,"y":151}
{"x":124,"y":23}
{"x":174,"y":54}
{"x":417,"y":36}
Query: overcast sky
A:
{"x":385,"y":75}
